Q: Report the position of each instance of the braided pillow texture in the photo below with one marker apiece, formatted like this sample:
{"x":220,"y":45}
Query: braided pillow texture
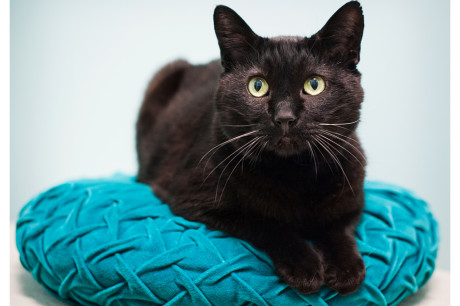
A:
{"x":112,"y":242}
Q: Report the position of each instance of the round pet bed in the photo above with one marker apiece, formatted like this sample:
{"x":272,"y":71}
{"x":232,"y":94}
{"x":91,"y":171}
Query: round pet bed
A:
{"x":112,"y":242}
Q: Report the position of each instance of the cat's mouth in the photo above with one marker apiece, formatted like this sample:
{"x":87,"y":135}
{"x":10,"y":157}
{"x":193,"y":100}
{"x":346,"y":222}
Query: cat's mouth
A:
{"x":286,"y":146}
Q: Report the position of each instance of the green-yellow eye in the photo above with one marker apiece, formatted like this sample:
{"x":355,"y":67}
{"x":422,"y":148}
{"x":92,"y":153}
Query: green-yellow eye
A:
{"x":258,"y":87}
{"x":314,"y":85}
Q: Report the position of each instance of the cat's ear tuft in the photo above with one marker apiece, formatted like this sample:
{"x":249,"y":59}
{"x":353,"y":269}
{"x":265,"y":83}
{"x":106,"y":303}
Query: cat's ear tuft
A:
{"x":340,"y":38}
{"x":236,"y":39}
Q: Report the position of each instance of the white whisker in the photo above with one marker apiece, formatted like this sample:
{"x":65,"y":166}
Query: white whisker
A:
{"x":314,"y":158}
{"x":324,"y":144}
{"x":262,"y":147}
{"x":224,"y":143}
{"x":239,"y":125}
{"x":248,"y":148}
{"x":233,"y":153}
{"x":338,"y":151}
{"x":346,"y":142}
{"x":319,"y":150}
{"x":339,"y":124}
{"x":338,"y":134}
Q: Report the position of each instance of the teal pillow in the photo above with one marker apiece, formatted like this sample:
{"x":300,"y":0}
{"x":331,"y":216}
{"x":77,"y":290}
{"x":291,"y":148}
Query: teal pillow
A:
{"x":112,"y":242}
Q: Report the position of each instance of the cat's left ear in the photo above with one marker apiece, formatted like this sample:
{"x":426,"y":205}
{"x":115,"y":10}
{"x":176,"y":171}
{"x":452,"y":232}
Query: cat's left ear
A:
{"x":236,"y":39}
{"x":340,"y":38}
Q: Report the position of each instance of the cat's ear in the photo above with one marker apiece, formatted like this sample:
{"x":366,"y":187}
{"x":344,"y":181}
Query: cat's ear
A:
{"x":236,"y":39}
{"x":340,"y":38}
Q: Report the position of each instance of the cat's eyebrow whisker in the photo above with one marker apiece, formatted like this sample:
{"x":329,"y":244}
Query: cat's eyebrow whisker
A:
{"x":224,"y":143}
{"x":339,"y":124}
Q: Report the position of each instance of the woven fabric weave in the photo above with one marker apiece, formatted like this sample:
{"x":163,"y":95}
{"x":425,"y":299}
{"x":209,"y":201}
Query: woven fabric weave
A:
{"x":112,"y":242}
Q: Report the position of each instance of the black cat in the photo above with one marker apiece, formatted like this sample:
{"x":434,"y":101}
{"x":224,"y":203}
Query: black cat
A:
{"x":262,"y":145}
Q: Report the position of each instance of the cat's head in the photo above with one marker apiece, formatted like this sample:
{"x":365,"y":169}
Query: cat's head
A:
{"x":286,"y":94}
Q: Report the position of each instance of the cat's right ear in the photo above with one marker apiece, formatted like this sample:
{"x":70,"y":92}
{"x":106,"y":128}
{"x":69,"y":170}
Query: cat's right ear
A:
{"x":340,"y":38}
{"x":236,"y":39}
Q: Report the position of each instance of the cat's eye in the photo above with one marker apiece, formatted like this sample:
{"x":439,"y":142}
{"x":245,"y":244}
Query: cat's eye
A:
{"x":258,"y":87}
{"x":314,"y":85}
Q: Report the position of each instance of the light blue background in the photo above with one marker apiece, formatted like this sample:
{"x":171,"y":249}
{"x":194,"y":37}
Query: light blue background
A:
{"x":79,"y":70}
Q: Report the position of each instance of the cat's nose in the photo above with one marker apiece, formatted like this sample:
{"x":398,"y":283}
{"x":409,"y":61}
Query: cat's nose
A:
{"x":285,"y":118}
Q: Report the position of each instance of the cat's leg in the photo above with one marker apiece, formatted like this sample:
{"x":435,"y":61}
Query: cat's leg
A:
{"x":343,"y":265}
{"x":299,"y":266}
{"x":296,"y":262}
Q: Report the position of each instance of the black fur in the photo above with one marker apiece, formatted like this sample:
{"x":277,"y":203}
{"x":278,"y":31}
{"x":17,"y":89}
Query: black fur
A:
{"x":280,"y":183}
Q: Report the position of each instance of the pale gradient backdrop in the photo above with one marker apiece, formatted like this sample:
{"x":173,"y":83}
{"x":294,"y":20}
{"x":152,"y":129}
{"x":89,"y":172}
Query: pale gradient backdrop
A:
{"x":79,"y":70}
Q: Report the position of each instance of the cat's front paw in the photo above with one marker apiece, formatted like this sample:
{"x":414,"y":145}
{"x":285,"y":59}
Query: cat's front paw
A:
{"x":347,"y":277}
{"x":306,"y":276}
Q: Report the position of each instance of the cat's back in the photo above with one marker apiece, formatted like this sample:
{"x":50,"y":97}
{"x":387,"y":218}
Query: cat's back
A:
{"x":178,"y":100}
{"x":175,"y":85}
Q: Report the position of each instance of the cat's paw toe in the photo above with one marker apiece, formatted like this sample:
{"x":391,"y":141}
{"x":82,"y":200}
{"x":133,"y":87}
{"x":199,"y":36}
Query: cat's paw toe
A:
{"x":306,"y":278}
{"x":347,"y":278}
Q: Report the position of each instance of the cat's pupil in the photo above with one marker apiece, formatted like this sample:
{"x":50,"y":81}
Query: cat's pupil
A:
{"x":314,"y":84}
{"x":257,"y":85}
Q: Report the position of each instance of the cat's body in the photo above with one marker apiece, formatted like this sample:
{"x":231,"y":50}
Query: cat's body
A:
{"x":279,"y":188}
{"x":276,"y":169}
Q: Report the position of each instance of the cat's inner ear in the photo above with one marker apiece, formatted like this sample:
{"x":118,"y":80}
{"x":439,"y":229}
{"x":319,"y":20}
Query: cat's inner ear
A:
{"x":237,"y":42}
{"x":340,"y":38}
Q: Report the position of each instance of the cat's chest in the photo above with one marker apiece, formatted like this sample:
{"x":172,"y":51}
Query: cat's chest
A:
{"x":285,"y":196}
